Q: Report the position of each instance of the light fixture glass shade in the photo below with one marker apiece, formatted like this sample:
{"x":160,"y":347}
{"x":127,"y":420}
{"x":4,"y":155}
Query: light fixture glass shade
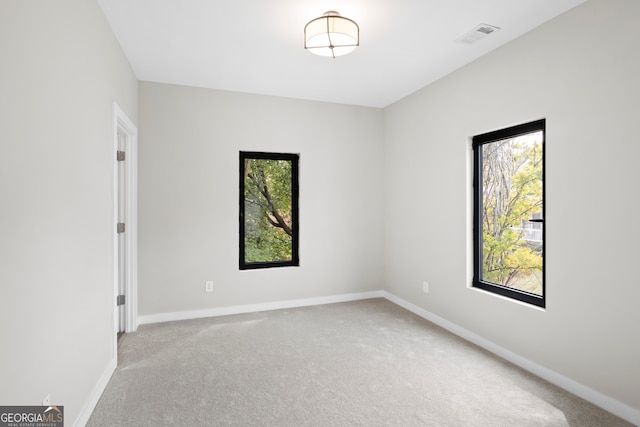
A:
{"x":331,"y":35}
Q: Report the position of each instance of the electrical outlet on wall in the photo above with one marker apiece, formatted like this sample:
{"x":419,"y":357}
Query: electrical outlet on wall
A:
{"x":425,"y":287}
{"x":47,"y":400}
{"x":208,"y":286}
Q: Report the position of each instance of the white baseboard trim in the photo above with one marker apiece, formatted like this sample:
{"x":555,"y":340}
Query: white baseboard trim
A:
{"x":95,"y":395}
{"x":609,"y":404}
{"x":252,"y":308}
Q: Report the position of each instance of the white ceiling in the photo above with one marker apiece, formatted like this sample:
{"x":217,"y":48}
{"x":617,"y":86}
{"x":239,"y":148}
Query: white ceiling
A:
{"x":256,"y":46}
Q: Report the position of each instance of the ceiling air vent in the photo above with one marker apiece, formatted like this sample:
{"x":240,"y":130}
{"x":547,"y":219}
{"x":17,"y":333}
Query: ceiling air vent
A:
{"x":478,"y":33}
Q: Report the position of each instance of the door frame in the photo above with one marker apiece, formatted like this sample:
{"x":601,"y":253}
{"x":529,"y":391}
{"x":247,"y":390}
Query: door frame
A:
{"x":124,"y":125}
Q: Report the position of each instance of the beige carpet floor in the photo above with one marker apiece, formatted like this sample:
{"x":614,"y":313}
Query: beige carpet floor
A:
{"x":365,"y":363}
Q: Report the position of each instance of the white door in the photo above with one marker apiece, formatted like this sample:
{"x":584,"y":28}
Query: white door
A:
{"x":121,"y":230}
{"x":125,"y":260}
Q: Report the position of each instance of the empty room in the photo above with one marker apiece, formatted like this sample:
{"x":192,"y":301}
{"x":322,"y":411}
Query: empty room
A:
{"x":320,"y":213}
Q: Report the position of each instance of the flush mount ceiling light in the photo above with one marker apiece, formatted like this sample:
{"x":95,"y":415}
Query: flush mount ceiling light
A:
{"x":331,"y":35}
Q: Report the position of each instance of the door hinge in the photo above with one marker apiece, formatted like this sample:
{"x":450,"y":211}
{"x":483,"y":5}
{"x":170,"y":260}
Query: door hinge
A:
{"x":120,"y":300}
{"x":120,"y":228}
{"x":120,"y":156}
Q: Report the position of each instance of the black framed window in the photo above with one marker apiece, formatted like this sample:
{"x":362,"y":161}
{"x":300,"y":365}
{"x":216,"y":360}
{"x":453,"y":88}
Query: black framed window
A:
{"x":268,"y":210}
{"x":508,"y":230}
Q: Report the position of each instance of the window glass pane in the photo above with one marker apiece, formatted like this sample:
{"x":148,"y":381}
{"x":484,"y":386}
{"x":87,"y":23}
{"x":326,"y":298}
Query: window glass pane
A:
{"x":512,"y":206}
{"x":267,"y":207}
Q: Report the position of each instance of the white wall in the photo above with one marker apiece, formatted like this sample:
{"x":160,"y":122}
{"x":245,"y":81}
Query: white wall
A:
{"x":190,"y":140}
{"x":580,"y":72}
{"x":61,"y":70}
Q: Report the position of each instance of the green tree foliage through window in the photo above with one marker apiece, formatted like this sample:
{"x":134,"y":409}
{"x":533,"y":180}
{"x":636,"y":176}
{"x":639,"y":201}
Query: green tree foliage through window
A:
{"x":268,"y":210}
{"x":512,"y":193}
